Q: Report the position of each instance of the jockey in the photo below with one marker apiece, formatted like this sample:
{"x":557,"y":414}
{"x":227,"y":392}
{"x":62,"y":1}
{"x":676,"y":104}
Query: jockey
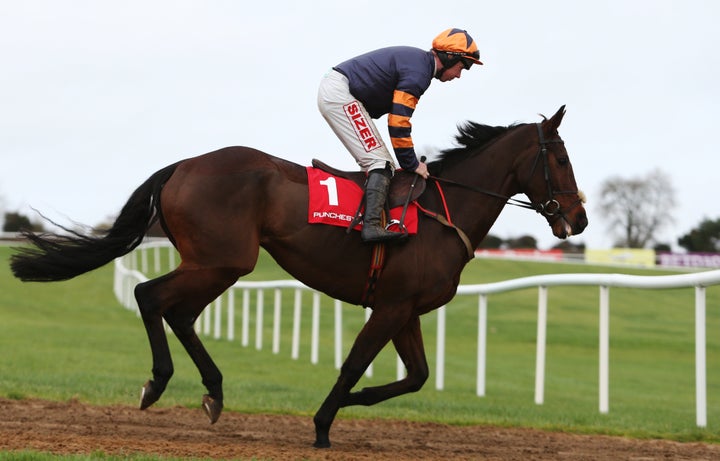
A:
{"x":388,"y":81}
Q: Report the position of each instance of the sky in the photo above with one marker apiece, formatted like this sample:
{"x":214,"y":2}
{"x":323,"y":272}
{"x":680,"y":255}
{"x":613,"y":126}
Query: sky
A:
{"x":96,"y":96}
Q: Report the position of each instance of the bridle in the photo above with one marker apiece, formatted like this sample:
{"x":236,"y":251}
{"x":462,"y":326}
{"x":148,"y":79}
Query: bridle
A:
{"x":549,"y":208}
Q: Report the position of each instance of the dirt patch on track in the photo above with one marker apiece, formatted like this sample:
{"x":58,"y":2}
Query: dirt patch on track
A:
{"x":73,"y":427}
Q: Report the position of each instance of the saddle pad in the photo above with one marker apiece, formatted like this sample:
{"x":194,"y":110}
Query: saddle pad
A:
{"x":334,"y":200}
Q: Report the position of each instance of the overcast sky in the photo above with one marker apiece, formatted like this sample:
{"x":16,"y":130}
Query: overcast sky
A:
{"x":97,"y":95}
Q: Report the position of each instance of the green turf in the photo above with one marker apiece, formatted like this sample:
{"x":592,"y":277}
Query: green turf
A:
{"x":73,"y":340}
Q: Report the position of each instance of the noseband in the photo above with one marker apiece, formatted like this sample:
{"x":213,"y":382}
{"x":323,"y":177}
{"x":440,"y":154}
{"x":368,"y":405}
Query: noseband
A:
{"x":550,"y":208}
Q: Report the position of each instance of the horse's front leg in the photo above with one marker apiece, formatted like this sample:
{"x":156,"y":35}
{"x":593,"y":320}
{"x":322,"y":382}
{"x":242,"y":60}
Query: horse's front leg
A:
{"x":409,"y":345}
{"x":377,"y":332}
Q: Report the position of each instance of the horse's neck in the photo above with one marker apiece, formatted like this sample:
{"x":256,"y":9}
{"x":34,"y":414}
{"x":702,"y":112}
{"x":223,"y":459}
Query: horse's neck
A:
{"x":475,"y":211}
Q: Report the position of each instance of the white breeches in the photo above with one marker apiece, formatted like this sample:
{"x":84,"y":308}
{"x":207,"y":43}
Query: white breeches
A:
{"x":351,"y":123}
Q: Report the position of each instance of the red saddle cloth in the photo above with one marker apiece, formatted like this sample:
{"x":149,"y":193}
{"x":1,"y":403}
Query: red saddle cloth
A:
{"x":334,"y":200}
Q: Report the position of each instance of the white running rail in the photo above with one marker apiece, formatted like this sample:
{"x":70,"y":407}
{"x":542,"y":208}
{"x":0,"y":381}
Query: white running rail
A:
{"x":129,"y":272}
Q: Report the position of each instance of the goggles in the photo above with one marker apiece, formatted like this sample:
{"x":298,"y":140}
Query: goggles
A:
{"x":467,"y":59}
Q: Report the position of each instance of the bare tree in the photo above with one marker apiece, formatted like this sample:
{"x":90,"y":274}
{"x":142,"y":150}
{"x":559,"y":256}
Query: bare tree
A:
{"x":636,"y":209}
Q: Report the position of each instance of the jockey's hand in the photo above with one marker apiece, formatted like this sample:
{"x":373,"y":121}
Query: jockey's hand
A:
{"x":422,"y":170}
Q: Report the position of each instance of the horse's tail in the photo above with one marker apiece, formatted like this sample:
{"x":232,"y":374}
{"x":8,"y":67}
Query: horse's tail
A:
{"x":57,"y":257}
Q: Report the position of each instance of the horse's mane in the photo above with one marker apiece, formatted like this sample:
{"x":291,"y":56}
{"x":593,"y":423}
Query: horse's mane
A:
{"x":472,"y":137}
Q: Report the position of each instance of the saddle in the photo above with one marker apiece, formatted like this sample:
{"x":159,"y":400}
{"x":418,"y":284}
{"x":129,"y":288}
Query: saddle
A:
{"x":405,"y":187}
{"x":401,"y":184}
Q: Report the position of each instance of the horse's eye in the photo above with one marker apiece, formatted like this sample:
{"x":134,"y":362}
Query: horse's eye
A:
{"x":562,"y":161}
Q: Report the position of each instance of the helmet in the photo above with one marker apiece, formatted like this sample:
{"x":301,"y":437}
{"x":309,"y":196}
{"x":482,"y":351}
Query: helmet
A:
{"x":454,"y":45}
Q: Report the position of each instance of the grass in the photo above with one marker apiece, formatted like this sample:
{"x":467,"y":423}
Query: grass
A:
{"x":73,"y":340}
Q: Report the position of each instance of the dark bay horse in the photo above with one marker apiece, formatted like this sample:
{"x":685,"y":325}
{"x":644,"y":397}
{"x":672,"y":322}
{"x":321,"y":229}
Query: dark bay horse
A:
{"x":218,"y":209}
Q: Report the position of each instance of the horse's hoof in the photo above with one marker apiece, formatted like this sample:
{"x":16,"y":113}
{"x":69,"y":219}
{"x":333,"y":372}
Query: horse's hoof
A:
{"x":212,"y":408}
{"x":149,"y":395}
{"x":322,"y":444}
{"x":322,"y":432}
{"x":322,"y":439}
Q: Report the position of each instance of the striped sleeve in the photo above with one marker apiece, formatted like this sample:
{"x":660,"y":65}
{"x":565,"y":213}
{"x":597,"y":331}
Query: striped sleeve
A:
{"x":400,"y":128}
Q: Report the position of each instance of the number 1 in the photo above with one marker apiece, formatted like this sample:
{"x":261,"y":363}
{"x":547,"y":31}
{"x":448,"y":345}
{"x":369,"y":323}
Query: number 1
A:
{"x":332,"y":190}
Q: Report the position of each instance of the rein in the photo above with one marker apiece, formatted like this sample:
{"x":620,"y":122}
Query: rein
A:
{"x":508,"y":200}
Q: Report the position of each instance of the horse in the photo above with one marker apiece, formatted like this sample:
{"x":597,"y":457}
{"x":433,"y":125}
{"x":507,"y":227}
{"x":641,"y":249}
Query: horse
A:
{"x":219,"y":208}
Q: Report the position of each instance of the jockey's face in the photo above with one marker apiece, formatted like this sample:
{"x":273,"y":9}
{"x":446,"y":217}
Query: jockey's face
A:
{"x":453,"y":72}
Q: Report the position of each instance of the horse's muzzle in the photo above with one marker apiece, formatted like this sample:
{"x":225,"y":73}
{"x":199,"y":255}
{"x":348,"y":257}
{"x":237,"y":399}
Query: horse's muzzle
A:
{"x":570,"y":224}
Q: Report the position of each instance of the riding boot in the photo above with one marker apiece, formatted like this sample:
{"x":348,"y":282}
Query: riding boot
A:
{"x":376,"y":191}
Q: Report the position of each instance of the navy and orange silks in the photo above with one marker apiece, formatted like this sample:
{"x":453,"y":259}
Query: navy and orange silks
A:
{"x":391,"y":81}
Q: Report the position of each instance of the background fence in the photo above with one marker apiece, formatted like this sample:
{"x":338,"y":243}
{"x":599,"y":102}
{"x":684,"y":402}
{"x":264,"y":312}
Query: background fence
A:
{"x":219,"y":319}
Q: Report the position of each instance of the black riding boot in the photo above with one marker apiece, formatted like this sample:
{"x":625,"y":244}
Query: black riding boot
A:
{"x":376,"y":192}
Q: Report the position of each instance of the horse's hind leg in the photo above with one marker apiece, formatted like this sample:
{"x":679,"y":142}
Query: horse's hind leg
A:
{"x":409,"y":345}
{"x":181,"y":319}
{"x":151,"y":310}
{"x":180,"y":297}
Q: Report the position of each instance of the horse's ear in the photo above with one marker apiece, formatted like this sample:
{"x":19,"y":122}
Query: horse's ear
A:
{"x":554,"y":122}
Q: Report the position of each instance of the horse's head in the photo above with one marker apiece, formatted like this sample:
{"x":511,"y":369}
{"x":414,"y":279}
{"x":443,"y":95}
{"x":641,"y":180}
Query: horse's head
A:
{"x":546,"y":176}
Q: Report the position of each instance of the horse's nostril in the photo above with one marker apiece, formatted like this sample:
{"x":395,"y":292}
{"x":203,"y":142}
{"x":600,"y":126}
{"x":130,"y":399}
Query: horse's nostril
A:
{"x":581,"y":222}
